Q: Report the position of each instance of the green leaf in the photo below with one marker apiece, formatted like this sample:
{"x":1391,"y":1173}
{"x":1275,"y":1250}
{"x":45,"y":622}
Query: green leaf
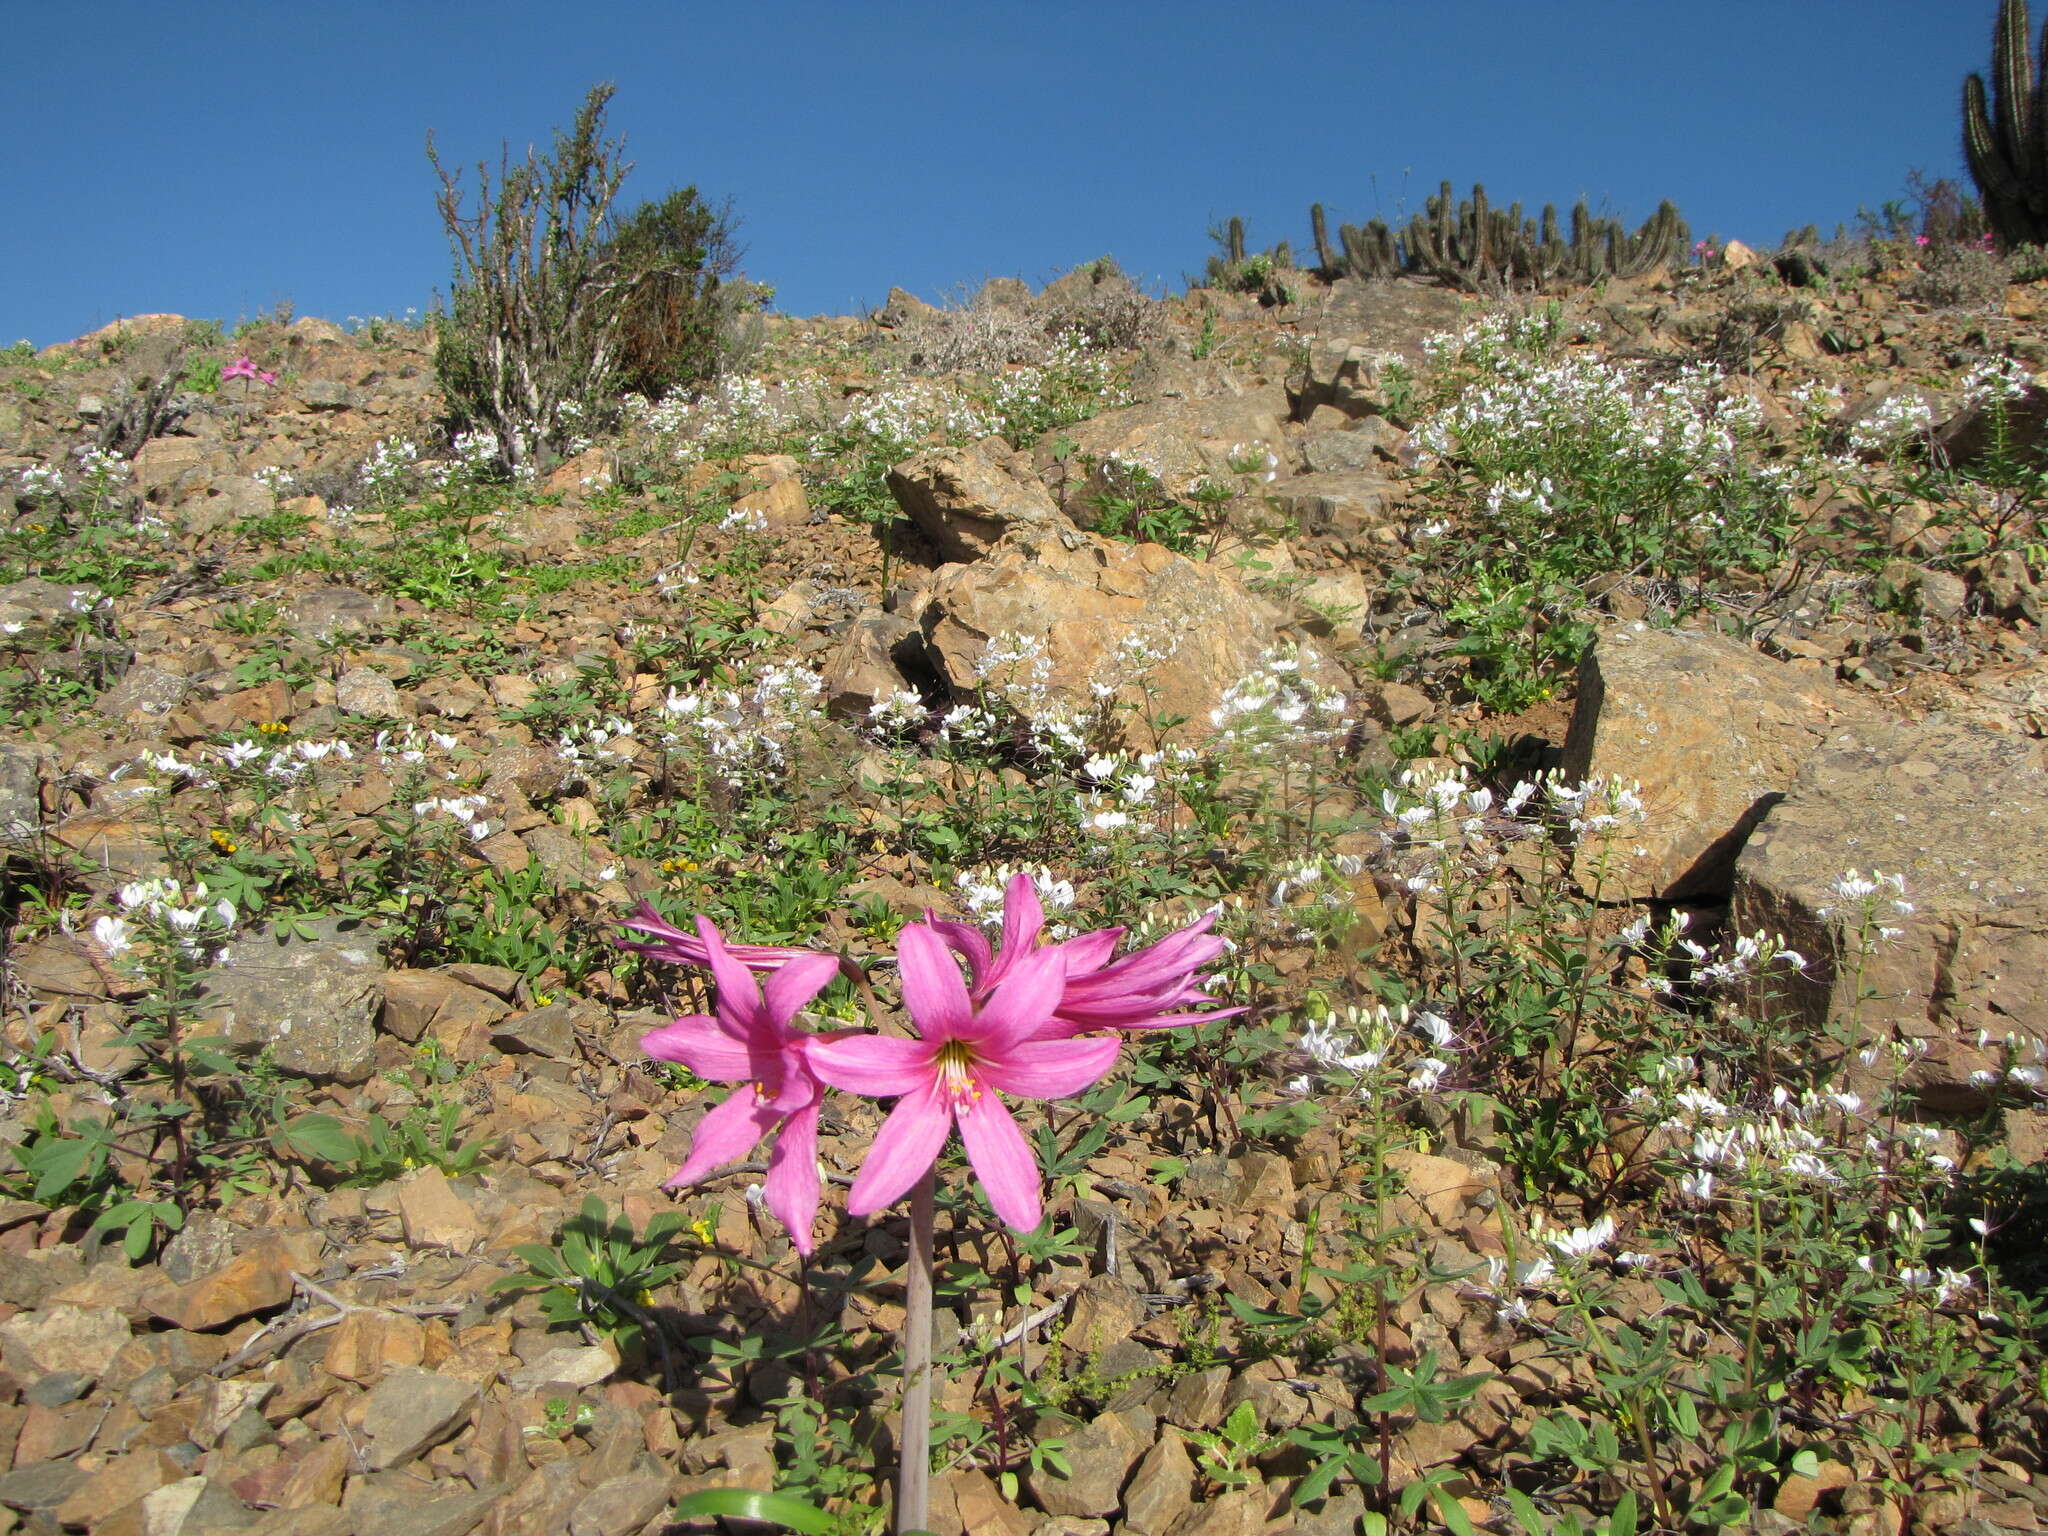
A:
{"x":776,"y":1508}
{"x":320,"y":1137}
{"x":1453,"y":1512}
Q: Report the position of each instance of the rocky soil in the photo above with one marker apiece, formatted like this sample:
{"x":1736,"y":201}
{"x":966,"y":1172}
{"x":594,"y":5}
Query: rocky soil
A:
{"x":312,"y":1354}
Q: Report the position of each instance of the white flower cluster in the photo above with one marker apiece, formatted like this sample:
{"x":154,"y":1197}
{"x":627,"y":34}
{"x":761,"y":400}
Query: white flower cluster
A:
{"x":1999,"y":379}
{"x":983,"y":887}
{"x":1118,"y":790}
{"x":1895,"y":418}
{"x":1279,"y":704}
{"x":286,"y":764}
{"x":385,"y":468}
{"x":397,"y":751}
{"x":1607,"y":415}
{"x":897,"y":714}
{"x":275,"y":478}
{"x":42,"y":480}
{"x":100,"y":468}
{"x":466,"y":811}
{"x":748,"y":733}
{"x":187,"y":917}
{"x":1372,"y":1050}
{"x":595,"y":742}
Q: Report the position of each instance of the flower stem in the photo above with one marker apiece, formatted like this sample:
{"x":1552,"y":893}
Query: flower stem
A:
{"x":914,"y":1435}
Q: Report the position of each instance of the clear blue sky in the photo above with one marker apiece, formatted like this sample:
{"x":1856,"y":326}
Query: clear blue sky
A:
{"x":215,"y":158}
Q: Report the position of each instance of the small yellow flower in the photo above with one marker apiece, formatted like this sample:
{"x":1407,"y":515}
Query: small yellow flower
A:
{"x":222,"y":841}
{"x":274,"y":728}
{"x":704,"y":1228}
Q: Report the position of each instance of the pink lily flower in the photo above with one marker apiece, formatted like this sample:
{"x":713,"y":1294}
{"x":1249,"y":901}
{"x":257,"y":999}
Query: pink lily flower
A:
{"x":243,"y":368}
{"x":1140,"y":991}
{"x":951,"y":1074}
{"x":750,"y":1041}
{"x":672,"y":944}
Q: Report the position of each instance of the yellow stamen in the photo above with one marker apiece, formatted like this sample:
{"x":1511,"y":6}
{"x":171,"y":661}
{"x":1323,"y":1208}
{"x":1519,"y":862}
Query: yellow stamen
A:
{"x":956,"y":1073}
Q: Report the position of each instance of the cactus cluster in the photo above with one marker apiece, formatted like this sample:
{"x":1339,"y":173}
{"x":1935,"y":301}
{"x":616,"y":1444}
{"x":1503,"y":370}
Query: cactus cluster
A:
{"x":1262,"y":274}
{"x":1472,"y":245}
{"x":2006,"y":138}
{"x":1468,"y":244}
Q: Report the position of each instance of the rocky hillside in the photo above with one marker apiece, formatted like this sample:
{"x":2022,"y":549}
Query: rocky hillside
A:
{"x":1609,"y":731}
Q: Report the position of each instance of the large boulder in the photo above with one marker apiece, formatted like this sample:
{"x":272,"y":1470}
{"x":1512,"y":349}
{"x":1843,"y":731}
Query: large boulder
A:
{"x":1960,"y":813}
{"x":1713,"y":732}
{"x":965,"y":499}
{"x":1084,"y":597}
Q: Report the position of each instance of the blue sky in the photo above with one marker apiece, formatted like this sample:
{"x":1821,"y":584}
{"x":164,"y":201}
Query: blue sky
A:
{"x":217,"y":158}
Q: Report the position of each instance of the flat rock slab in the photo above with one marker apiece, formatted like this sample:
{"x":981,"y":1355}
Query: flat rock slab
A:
{"x":410,"y":1411}
{"x":1961,"y":813}
{"x":314,"y":1002}
{"x":1712,"y":731}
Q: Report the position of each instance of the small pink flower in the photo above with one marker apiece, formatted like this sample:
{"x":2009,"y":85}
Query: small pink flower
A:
{"x":243,"y":368}
{"x":750,"y":1041}
{"x":1920,"y":240}
{"x":951,"y":1074}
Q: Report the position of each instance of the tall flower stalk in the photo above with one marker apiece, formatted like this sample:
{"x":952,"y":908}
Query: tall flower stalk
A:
{"x":1031,"y":1019}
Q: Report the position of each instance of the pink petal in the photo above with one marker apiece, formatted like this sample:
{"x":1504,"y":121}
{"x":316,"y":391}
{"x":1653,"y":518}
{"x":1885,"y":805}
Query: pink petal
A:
{"x":1028,"y":996}
{"x":969,"y":942}
{"x":1023,"y":916}
{"x":739,"y":995}
{"x":789,"y":987}
{"x":879,"y":1066}
{"x":697,"y":1041}
{"x":791,"y":1189}
{"x":933,"y":992}
{"x":725,"y":1135}
{"x":1090,"y":952}
{"x":907,"y":1144}
{"x":1002,"y":1161}
{"x":1050,"y":1069}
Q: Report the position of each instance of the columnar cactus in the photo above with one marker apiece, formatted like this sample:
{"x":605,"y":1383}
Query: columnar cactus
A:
{"x":2006,"y":139}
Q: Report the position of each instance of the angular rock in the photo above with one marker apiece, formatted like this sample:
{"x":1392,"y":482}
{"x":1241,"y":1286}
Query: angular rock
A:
{"x":1959,"y":812}
{"x":436,"y":1005}
{"x":1083,"y":596}
{"x":1103,"y":1312}
{"x":314,"y":1001}
{"x":1162,"y":1490}
{"x":965,"y":500}
{"x":967,"y":1503}
{"x":1347,"y":502}
{"x":579,"y":1366}
{"x":1714,"y":734}
{"x":365,"y":691}
{"x":435,"y":1216}
{"x":409,"y":1411}
{"x":864,"y":667}
{"x":620,"y":1506}
{"x":255,"y":1280}
{"x":1182,"y":442}
{"x":404,"y":1506}
{"x":1099,"y":1456}
{"x":21,"y":793}
{"x":63,"y":1338}
{"x":338,"y":610}
{"x":143,"y":691}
